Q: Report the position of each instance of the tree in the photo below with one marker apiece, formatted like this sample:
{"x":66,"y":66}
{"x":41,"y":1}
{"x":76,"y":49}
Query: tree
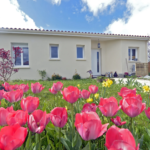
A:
{"x":7,"y":64}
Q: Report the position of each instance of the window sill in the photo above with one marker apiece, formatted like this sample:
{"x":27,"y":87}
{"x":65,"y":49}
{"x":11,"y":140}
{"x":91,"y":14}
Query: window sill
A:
{"x":54,"y":59}
{"x":22,"y":67}
{"x":80,"y":59}
{"x":133,"y":61}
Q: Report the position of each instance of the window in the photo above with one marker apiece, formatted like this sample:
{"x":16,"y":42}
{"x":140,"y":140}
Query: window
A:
{"x":132,"y":54}
{"x":54,"y":51}
{"x":23,"y":59}
{"x":80,"y":52}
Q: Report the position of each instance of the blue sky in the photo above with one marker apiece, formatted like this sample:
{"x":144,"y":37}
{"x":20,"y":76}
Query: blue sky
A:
{"x":109,"y":16}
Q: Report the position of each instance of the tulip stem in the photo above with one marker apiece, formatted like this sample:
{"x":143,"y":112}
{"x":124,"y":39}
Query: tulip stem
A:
{"x":38,"y":140}
{"x":89,"y":145}
{"x":72,"y":119}
{"x":131,"y":123}
{"x":59,"y":138}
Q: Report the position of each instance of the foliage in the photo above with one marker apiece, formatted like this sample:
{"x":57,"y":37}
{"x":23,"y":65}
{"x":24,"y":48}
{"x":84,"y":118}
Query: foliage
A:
{"x":56,"y":77}
{"x":48,"y":79}
{"x":42,"y":73}
{"x":76,"y":76}
{"x":6,"y":63}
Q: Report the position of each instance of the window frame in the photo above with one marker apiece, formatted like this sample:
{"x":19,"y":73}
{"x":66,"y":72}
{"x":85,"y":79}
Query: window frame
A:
{"x":80,"y":46}
{"x":50,"y":50}
{"x":131,"y":51}
{"x":21,"y":45}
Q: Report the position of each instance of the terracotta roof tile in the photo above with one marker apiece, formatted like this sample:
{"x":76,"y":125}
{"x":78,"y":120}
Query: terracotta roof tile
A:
{"x":74,"y":32}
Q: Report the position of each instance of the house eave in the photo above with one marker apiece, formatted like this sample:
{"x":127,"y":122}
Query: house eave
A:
{"x":73,"y":34}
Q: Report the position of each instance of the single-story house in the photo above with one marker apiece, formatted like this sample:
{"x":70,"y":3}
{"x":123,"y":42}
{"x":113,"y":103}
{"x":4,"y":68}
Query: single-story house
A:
{"x":64,"y":52}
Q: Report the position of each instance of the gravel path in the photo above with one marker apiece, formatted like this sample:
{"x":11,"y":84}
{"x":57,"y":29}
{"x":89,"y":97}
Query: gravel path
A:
{"x":147,"y":82}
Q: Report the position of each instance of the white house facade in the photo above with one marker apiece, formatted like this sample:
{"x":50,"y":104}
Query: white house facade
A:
{"x":63,"y":52}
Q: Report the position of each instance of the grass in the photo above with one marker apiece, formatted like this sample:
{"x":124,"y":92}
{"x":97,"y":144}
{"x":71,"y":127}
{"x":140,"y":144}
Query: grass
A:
{"x":48,"y":101}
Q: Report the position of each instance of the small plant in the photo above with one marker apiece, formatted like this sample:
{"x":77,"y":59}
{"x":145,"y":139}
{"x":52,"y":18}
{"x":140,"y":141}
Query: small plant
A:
{"x":64,"y":78}
{"x":56,"y":77}
{"x":76,"y":76}
{"x":48,"y":79}
{"x":42,"y":73}
{"x":149,"y":73}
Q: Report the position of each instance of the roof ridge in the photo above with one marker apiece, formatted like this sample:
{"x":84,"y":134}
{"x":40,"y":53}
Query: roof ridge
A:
{"x":74,"y":32}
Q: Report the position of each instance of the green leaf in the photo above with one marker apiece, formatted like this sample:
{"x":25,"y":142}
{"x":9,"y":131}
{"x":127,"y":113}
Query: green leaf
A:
{"x":65,"y":144}
{"x":48,"y":147}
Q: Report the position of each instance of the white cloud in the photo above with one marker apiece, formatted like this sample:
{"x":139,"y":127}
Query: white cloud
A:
{"x":47,"y":25}
{"x":135,"y":21}
{"x":57,"y":2}
{"x":96,"y":6}
{"x":89,"y":18}
{"x":83,"y":8}
{"x":12,"y":16}
{"x":34,"y":0}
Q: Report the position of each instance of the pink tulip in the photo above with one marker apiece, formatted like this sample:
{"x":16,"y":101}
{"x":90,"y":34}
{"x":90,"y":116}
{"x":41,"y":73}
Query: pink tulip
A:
{"x":89,"y":107}
{"x":24,"y":87}
{"x":17,"y":117}
{"x":80,"y":94}
{"x":85,"y":94}
{"x":117,"y":121}
{"x":3,"y":115}
{"x":57,"y":86}
{"x":36,"y":87}
{"x":5,"y":84}
{"x":147,"y":112}
{"x":125,"y":92}
{"x":132,"y":106}
{"x":53,"y":91}
{"x":93,"y":89}
{"x":120,"y":139}
{"x":13,"y":96}
{"x":108,"y":106}
{"x":89,"y":126}
{"x":12,"y":137}
{"x":59,"y":117}
{"x":1,"y":94}
{"x":29,"y":104}
{"x":71,"y":94}
{"x":37,"y":121}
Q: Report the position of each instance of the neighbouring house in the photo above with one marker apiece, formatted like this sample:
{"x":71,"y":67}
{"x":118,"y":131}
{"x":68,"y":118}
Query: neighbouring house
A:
{"x":63,"y":52}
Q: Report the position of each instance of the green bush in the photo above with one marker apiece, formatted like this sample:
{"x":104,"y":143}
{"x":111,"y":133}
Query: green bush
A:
{"x":76,"y":76}
{"x":42,"y":73}
{"x":56,"y":77}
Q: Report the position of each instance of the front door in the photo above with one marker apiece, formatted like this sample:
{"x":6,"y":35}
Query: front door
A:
{"x":96,"y":62}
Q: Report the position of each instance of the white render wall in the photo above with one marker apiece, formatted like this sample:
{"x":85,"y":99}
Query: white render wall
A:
{"x":39,"y":58}
{"x":115,"y":52}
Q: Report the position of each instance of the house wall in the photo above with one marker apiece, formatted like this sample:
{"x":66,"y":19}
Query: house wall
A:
{"x":39,"y":58}
{"x":111,"y":55}
{"x":142,"y":53}
{"x":115,"y":52}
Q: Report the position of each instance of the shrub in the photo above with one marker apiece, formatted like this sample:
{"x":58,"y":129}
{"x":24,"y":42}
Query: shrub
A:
{"x":7,"y":64}
{"x":76,"y":76}
{"x":42,"y":73}
{"x":48,"y":79}
{"x":56,"y":77}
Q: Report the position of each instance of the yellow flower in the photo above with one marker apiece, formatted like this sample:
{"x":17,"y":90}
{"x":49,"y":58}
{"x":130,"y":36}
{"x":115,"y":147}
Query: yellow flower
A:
{"x":110,"y":82}
{"x":66,"y":108}
{"x":89,"y":100}
{"x":146,"y":88}
{"x":104,"y":84}
{"x":96,"y":96}
{"x":78,"y":85}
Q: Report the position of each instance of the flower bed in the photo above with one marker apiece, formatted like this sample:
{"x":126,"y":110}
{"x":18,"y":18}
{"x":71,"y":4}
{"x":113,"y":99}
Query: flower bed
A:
{"x":74,"y":115}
